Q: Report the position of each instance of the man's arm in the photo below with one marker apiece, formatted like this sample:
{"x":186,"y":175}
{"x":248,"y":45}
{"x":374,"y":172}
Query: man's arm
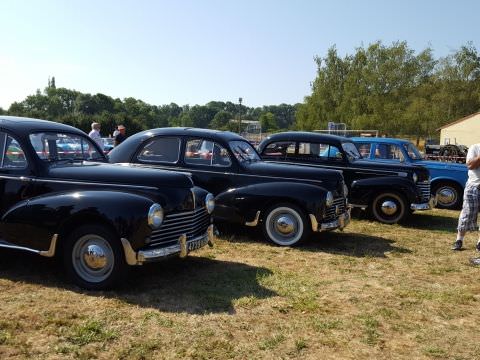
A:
{"x":473,"y":163}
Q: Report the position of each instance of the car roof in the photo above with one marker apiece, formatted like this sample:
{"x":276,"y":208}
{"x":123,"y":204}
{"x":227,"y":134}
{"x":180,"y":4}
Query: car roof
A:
{"x":306,"y":136}
{"x":193,"y":132}
{"x":379,"y":139}
{"x":24,"y":125}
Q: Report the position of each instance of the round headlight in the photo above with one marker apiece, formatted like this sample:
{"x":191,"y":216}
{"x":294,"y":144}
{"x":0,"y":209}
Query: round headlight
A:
{"x":329,"y":199}
{"x":155,"y":216}
{"x":415,"y":177}
{"x":209,"y":203}
{"x":345,"y":190}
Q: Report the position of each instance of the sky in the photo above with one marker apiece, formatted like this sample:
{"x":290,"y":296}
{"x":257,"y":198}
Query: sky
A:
{"x":196,"y":51}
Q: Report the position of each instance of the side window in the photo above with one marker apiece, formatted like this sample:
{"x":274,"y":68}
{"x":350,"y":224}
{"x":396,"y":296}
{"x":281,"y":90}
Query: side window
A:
{"x":161,"y":149}
{"x":317,"y":151}
{"x":364,"y":149}
{"x":206,"y":152}
{"x":280,"y":149}
{"x":13,"y":155}
{"x":389,"y":152}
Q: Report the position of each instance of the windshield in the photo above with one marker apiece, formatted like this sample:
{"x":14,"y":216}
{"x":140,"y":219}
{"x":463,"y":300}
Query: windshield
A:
{"x":243,"y":151}
{"x":62,"y":146}
{"x":412,"y":151}
{"x":351,"y":151}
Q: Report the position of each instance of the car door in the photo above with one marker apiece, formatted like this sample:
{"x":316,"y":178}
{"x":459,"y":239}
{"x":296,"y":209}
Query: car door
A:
{"x":210,"y":164}
{"x":16,"y":186}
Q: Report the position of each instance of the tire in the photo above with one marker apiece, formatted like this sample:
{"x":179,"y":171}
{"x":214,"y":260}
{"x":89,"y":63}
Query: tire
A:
{"x":389,"y":208}
{"x":285,"y":225}
{"x":449,"y":195}
{"x":86,"y":270}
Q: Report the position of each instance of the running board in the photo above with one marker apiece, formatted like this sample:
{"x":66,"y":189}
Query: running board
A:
{"x":47,"y":253}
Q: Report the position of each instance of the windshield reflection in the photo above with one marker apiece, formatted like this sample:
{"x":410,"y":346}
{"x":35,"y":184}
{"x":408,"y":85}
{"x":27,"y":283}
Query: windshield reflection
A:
{"x":243,"y":151}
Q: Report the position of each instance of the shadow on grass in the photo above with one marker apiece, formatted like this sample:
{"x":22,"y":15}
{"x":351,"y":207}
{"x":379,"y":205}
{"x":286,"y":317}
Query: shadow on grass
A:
{"x":434,"y":222}
{"x":194,"y":285}
{"x":335,"y":242}
{"x":357,"y":245}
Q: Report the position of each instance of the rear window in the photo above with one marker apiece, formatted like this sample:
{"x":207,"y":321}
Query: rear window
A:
{"x":161,"y":149}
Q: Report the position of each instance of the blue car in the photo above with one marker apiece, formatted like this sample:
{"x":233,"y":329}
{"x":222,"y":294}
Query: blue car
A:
{"x":447,"y":179}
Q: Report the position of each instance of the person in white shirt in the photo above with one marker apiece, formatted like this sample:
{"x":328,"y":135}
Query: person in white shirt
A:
{"x":467,"y":220}
{"x":95,"y":134}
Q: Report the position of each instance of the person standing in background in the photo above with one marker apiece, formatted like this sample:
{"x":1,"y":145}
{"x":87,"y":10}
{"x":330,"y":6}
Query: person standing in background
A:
{"x":95,"y":134}
{"x":120,"y":136}
{"x":467,"y":220}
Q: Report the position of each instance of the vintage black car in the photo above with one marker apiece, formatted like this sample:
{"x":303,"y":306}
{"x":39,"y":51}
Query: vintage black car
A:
{"x":390,"y":192}
{"x":288,"y":201}
{"x":57,"y":197}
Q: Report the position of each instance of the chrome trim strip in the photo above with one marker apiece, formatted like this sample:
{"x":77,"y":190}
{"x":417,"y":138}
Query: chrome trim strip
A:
{"x":181,"y":169}
{"x":329,"y":166}
{"x":94,"y":183}
{"x":363,"y":207}
{"x":255,"y":220}
{"x":47,"y":253}
{"x":424,"y":206}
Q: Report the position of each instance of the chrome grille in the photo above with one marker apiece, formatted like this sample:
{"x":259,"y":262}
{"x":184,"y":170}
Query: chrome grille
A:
{"x":331,"y":212}
{"x":424,"y":188}
{"x":192,"y":223}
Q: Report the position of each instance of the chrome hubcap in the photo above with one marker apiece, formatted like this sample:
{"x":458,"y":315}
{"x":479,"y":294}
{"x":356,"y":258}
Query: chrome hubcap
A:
{"x":94,"y":257}
{"x":285,"y":225}
{"x":446,"y":196}
{"x":389,"y":207}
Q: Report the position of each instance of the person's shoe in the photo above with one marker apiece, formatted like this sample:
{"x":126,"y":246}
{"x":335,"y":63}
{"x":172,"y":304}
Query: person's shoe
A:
{"x":457,"y":245}
{"x":478,"y":246}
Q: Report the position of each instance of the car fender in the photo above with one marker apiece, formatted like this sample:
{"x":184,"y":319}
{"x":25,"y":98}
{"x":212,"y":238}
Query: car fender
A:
{"x":56,"y":213}
{"x":362,"y":190}
{"x":242,"y":204}
{"x":459,"y":181}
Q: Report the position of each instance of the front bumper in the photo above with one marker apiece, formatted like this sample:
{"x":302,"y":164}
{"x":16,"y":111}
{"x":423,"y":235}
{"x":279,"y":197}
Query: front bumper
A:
{"x":183,"y":247}
{"x":340,"y":223}
{"x":424,"y":206}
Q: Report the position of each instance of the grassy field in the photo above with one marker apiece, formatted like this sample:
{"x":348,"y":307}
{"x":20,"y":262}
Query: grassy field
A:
{"x":373,"y":291}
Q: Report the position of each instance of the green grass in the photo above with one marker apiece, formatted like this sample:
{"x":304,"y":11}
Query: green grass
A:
{"x":373,"y":291}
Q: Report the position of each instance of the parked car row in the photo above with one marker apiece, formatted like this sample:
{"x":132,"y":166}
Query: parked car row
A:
{"x":165,"y":188}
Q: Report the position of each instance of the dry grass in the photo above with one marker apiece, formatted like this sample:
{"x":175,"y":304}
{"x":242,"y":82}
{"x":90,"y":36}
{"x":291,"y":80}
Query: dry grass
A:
{"x":374,"y":291}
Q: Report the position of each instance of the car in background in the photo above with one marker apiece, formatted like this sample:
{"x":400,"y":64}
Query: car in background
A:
{"x":108,"y":144}
{"x":448,"y":179}
{"x":96,"y":217}
{"x":390,"y":192}
{"x":288,"y":202}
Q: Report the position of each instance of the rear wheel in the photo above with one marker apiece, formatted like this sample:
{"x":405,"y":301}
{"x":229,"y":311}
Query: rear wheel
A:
{"x":449,"y":195}
{"x":389,"y":208}
{"x":94,"y":258}
{"x":285,"y":225}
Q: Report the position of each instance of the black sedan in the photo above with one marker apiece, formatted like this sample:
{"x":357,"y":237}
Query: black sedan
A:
{"x":390,"y":192}
{"x":289,"y":202}
{"x":99,"y":218}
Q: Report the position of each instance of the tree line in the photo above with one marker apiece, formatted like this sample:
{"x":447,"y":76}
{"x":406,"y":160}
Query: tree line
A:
{"x":390,"y":88}
{"x":80,"y":110}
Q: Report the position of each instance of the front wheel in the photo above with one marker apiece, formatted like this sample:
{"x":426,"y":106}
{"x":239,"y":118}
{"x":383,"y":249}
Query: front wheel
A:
{"x":285,"y":225}
{"x":449,"y":196}
{"x":94,"y":258}
{"x":389,"y":208}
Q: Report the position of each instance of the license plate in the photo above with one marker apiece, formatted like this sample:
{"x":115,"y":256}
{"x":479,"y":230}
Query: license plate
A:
{"x":197,"y":244}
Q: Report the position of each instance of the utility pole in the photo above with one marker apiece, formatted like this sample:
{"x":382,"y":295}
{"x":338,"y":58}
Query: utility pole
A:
{"x":240,"y":115}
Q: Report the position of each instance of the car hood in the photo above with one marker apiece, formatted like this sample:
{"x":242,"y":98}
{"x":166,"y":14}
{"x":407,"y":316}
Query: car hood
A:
{"x":297,"y":172}
{"x":119,"y":174}
{"x":441,"y":165}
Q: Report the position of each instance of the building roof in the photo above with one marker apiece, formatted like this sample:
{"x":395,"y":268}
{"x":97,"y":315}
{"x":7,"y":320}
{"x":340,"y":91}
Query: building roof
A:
{"x":459,"y":120}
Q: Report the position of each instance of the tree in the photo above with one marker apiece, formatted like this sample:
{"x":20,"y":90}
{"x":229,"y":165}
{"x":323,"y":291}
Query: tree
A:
{"x":267,"y":120}
{"x":220,"y":120}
